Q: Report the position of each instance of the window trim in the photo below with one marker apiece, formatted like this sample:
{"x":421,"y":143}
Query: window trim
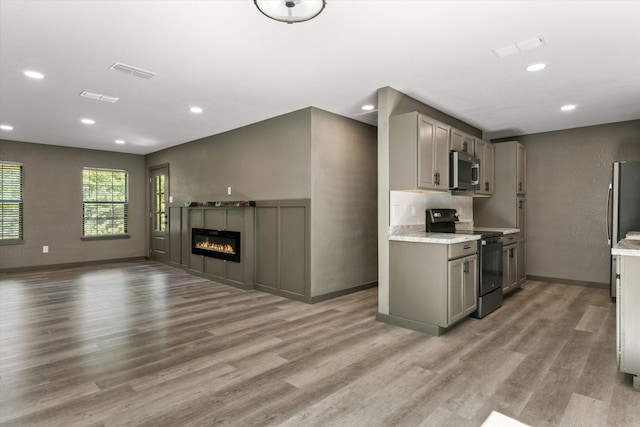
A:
{"x":125,"y":235}
{"x":20,"y":239}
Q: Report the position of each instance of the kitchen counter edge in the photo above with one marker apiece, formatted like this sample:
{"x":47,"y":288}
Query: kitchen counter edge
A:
{"x":627,"y":247}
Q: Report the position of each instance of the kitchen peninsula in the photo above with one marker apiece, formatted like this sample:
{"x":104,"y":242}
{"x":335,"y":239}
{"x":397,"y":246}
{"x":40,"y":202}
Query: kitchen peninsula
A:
{"x":627,"y":302}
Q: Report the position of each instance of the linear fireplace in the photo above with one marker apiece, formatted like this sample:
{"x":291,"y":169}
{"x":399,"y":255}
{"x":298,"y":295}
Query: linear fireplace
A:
{"x":220,"y":244}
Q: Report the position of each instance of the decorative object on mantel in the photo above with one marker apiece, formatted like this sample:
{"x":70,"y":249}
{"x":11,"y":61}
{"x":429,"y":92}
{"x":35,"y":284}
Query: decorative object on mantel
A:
{"x":191,"y":204}
{"x":230,"y":204}
{"x":290,"y":11}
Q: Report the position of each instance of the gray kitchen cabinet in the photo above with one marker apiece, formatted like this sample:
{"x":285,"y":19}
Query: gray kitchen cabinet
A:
{"x":485,"y":152}
{"x":521,"y":222}
{"x":431,"y":286}
{"x":521,"y":169}
{"x":418,"y":153}
{"x":521,"y":271}
{"x":507,"y":207}
{"x":463,"y":295}
{"x":628,"y":316}
{"x":460,"y":141}
{"x":509,"y":267}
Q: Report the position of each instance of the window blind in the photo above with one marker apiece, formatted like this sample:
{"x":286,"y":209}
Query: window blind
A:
{"x":11,"y":182}
{"x":104,"y":202}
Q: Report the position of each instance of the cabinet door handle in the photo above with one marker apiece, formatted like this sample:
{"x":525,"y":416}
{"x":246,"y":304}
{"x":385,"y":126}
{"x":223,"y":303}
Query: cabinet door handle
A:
{"x":436,"y":178}
{"x":467,"y":247}
{"x":465,"y":267}
{"x":486,"y":186}
{"x":609,"y":237}
{"x":510,"y":253}
{"x":465,"y":146}
{"x":519,"y":186}
{"x":520,"y":203}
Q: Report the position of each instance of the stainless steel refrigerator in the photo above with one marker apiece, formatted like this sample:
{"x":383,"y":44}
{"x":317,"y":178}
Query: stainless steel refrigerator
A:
{"x":623,"y":207}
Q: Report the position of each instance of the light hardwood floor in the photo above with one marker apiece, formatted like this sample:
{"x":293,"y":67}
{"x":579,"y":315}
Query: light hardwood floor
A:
{"x":148,"y":344}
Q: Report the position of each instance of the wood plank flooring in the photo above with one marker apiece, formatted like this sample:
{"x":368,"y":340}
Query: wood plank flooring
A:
{"x":145,"y":344}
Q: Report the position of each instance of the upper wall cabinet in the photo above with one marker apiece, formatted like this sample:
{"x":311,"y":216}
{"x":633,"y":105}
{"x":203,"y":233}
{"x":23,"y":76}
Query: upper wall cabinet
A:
{"x":463,"y":142}
{"x":485,"y":152}
{"x":418,"y":153}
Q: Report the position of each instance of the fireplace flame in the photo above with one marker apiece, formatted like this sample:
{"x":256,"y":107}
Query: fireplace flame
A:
{"x":216,"y":247}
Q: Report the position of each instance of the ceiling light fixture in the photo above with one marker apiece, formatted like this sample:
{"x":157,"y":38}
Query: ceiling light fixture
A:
{"x":119,"y":141}
{"x":34,"y":74}
{"x":88,"y":121}
{"x":290,"y":11}
{"x":368,"y":107}
{"x":195,"y":109}
{"x":536,"y":67}
{"x":6,"y":127}
{"x":568,"y":107}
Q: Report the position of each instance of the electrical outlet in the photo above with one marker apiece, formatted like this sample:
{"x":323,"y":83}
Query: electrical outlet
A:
{"x":170,"y":199}
{"x":45,"y":249}
{"x":413,"y":211}
{"x":229,"y":191}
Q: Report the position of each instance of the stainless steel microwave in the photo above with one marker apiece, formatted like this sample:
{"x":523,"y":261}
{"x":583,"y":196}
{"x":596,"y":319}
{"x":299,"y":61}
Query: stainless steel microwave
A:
{"x":464,"y":172}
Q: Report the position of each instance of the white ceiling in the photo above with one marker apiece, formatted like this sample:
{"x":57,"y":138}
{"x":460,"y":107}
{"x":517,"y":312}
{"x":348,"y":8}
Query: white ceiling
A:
{"x":241,"y":67}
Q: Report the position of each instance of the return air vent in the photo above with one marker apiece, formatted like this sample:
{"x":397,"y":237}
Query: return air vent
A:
{"x":138,"y":72}
{"x":518,"y":47}
{"x":98,"y":96}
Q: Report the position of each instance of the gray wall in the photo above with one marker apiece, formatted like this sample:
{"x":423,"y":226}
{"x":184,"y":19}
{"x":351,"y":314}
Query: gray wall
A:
{"x":53,"y":205}
{"x":306,"y":154}
{"x":568,"y":173}
{"x":343,"y":203}
{"x":263,"y":161}
{"x":392,"y":102}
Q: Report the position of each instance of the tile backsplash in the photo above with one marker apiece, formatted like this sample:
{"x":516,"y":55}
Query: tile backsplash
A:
{"x":407,"y":208}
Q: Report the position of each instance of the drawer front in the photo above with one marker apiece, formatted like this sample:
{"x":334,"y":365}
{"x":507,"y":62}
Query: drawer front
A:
{"x":510,"y":239}
{"x":458,"y":250}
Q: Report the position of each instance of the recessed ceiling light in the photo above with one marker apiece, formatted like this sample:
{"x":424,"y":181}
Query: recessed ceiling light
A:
{"x":6,"y":127}
{"x":34,"y":74}
{"x":119,"y":141}
{"x":195,"y":109}
{"x":88,"y":121}
{"x":368,"y":107}
{"x":568,"y":107}
{"x":536,"y":67}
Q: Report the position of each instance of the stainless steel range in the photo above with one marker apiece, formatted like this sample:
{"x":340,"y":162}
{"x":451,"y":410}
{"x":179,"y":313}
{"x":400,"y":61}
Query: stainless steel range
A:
{"x":489,"y":258}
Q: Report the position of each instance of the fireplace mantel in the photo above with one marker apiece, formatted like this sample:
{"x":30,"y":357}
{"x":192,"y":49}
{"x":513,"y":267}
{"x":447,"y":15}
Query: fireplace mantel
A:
{"x":222,"y":204}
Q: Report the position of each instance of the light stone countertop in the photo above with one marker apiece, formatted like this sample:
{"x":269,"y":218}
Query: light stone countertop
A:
{"x":633,"y":235}
{"x":416,"y":234}
{"x":629,"y":246}
{"x":504,"y":231}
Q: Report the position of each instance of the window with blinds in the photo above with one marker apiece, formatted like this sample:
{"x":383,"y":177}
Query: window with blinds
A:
{"x":105,"y":195}
{"x":11,"y":178}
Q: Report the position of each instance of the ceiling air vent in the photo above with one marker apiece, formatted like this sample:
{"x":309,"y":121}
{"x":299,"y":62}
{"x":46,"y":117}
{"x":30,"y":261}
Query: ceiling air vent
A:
{"x":138,"y":72}
{"x":98,"y":96}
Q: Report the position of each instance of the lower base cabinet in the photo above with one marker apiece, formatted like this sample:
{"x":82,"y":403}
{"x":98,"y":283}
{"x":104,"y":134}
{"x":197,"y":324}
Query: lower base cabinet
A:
{"x":462,"y":286}
{"x":509,"y":267}
{"x":522,"y":261}
{"x":628,"y":316}
{"x":431,"y":286}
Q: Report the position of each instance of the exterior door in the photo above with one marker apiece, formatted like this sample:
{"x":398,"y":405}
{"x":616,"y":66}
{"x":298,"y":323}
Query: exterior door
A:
{"x":158,"y":221}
